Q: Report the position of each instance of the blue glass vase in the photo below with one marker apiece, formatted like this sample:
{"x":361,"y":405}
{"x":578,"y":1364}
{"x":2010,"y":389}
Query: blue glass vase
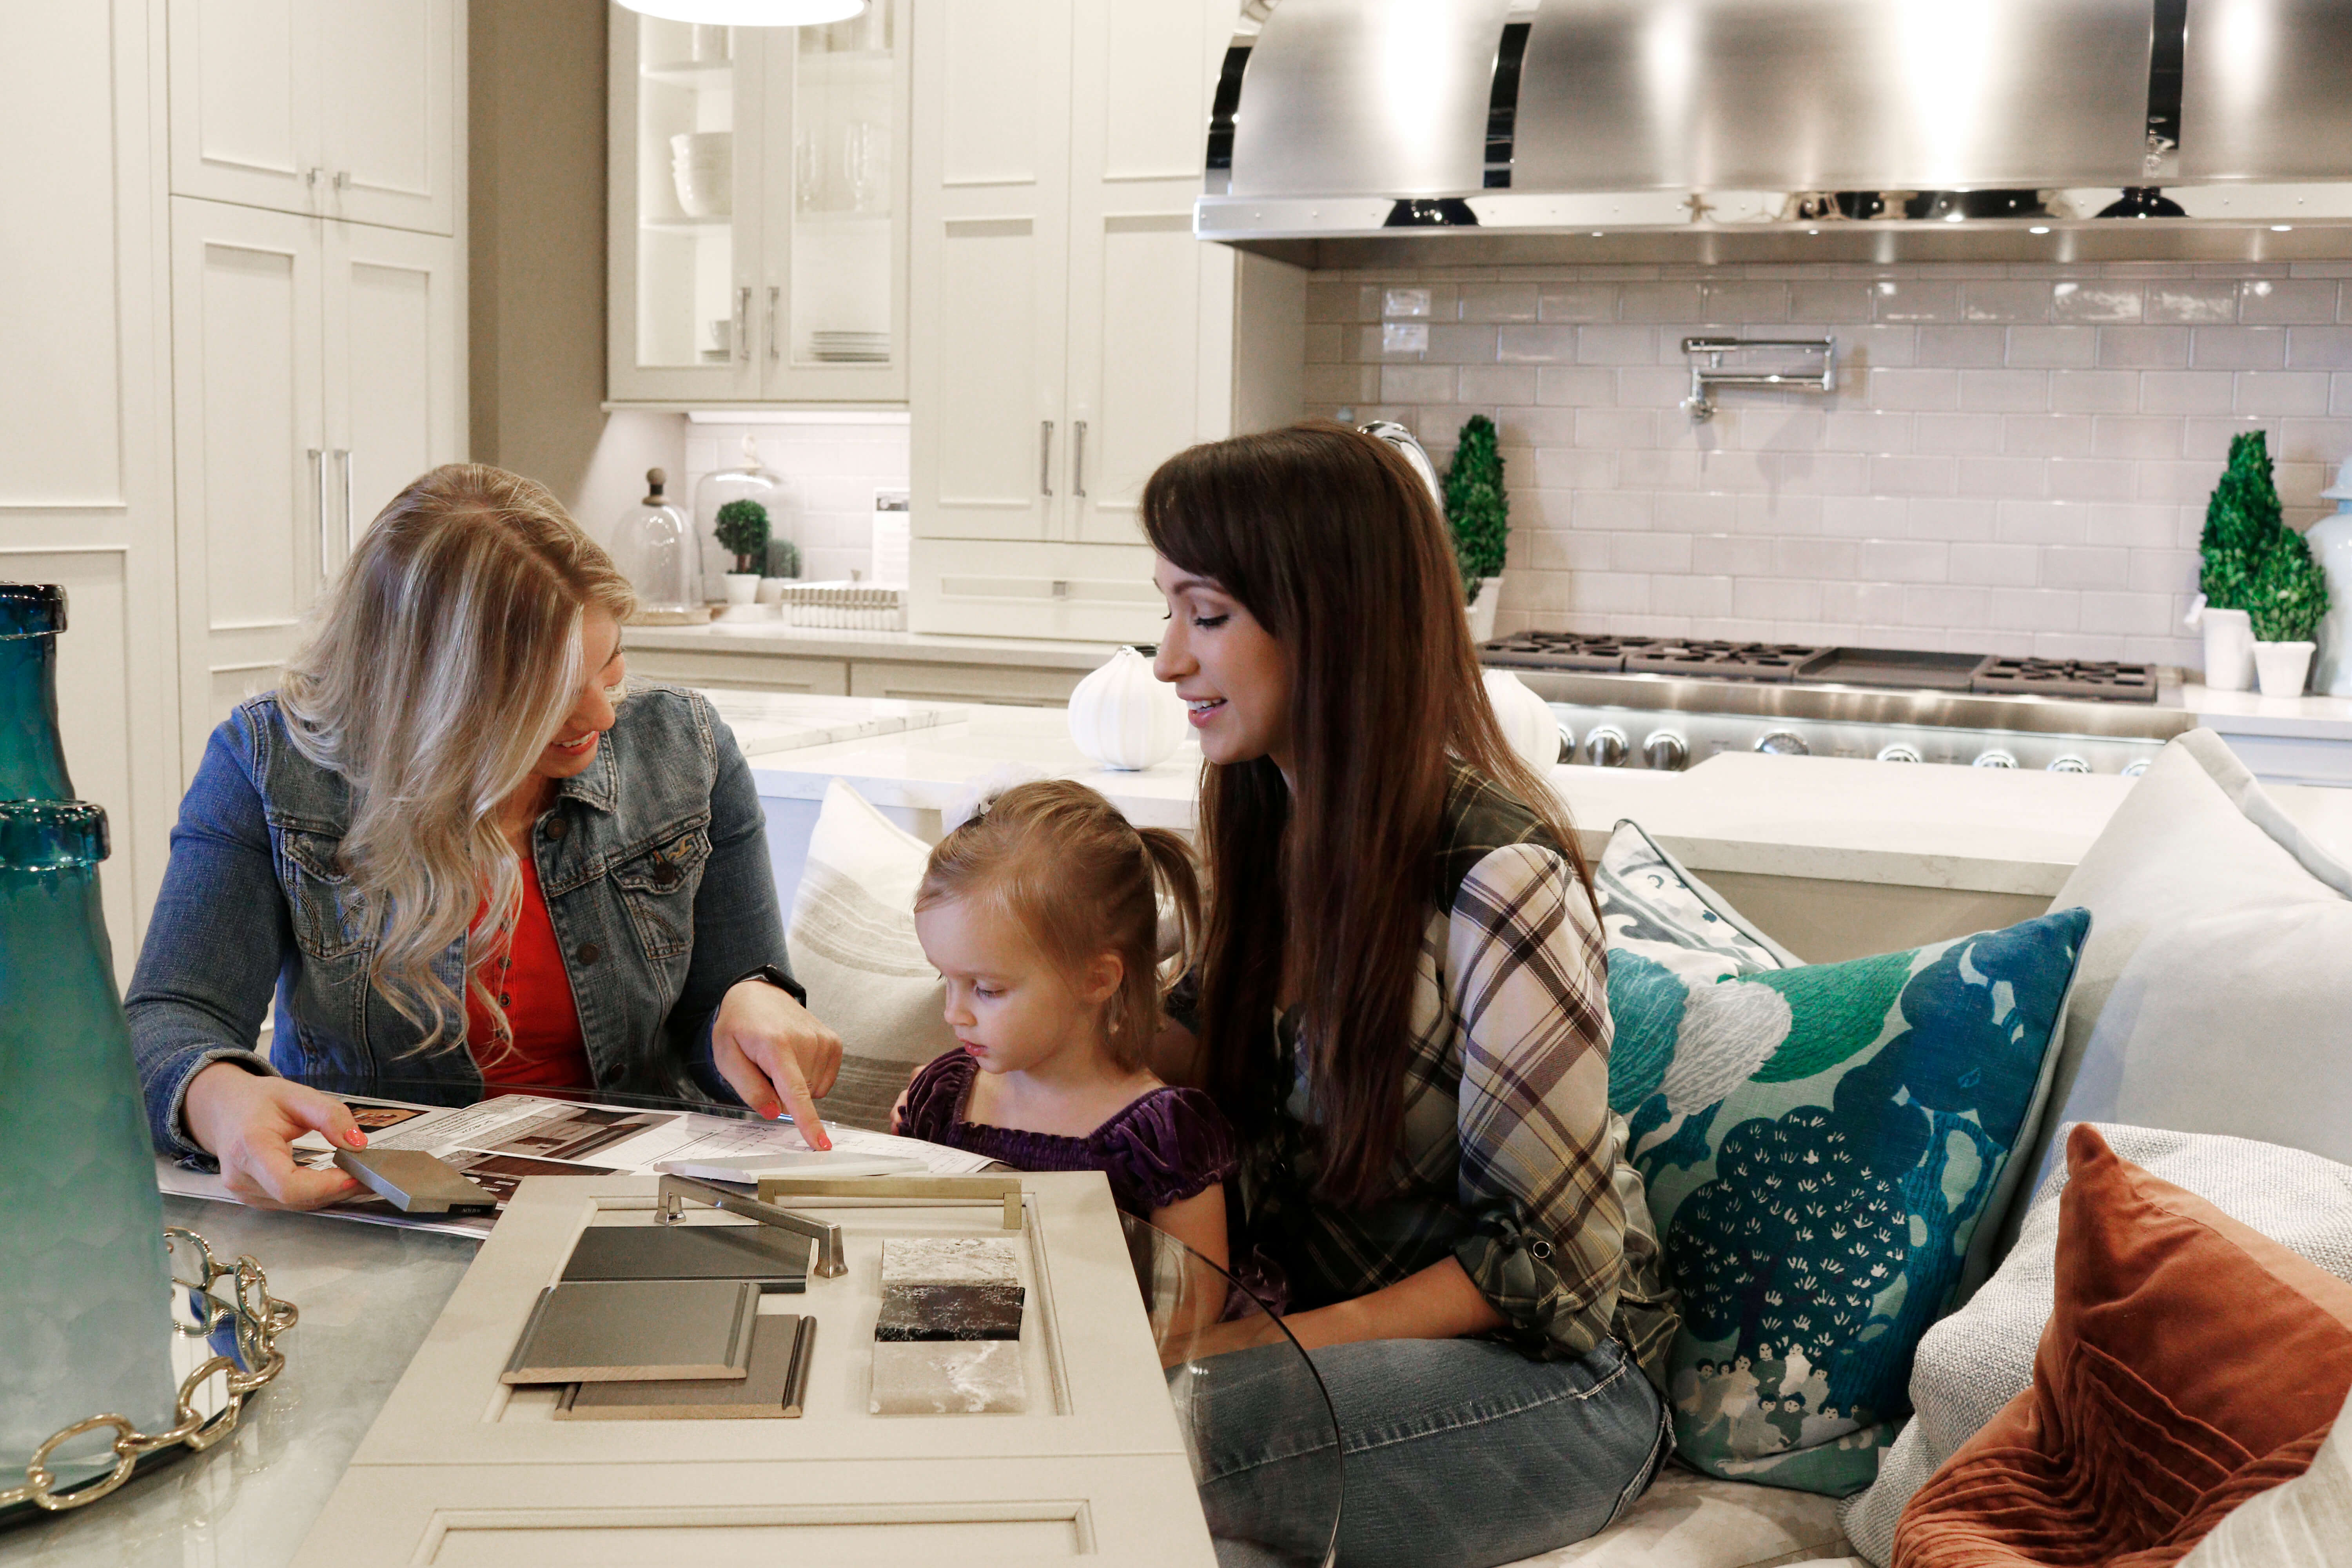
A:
{"x":84,"y":1278}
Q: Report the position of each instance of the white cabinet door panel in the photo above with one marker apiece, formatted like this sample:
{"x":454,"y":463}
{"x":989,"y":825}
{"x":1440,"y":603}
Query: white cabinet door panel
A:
{"x":395,"y":383}
{"x":387,"y":81}
{"x":245,"y":102}
{"x":249,"y":447}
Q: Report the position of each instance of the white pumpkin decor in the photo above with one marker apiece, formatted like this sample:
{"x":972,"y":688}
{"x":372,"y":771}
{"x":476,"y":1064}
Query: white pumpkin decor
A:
{"x":1527,"y":719}
{"x":1124,"y":717}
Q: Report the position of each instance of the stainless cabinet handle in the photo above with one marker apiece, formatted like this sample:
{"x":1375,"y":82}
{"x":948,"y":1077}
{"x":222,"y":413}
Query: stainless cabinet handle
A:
{"x":350,"y":523}
{"x":1078,"y":459}
{"x":343,"y":179}
{"x":775,"y":348}
{"x":318,"y":486}
{"x":312,"y":177}
{"x":743,"y":324}
{"x":1046,"y":458}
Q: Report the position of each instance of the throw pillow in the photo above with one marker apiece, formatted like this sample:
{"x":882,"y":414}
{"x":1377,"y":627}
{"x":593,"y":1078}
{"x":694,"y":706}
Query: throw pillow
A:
{"x":2199,"y":838}
{"x":2190,"y":1362}
{"x":1820,"y":1145}
{"x":852,"y":941}
{"x":2305,"y":1523}
{"x":1971,"y":1364}
{"x":1655,"y":909}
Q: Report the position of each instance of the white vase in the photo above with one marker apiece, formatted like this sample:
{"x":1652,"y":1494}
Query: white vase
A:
{"x":1481,"y":608}
{"x":2229,"y":649}
{"x":743,"y":587}
{"x":1526,"y":719}
{"x":1125,"y":718}
{"x":2331,"y":545}
{"x":2282,"y":666}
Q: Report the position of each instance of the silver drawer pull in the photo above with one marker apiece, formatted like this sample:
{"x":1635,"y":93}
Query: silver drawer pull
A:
{"x":1046,"y":458}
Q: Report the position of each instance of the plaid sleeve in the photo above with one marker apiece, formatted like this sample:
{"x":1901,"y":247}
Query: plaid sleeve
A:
{"x":1525,"y":975}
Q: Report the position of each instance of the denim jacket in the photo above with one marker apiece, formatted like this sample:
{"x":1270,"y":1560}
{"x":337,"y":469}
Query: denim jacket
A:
{"x":654,"y":863}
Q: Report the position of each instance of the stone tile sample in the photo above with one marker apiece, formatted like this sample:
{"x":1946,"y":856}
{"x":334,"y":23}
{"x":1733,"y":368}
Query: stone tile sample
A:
{"x":951,"y":1313}
{"x":968,"y":1377}
{"x":948,"y":1260}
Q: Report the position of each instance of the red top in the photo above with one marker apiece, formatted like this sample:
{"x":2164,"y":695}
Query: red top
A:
{"x":527,"y":975}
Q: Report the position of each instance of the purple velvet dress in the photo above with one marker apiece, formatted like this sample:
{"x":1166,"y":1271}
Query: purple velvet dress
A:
{"x":1164,"y":1148}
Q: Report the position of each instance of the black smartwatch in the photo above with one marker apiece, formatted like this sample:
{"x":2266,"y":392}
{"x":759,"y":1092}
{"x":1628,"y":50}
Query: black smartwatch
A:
{"x":775,"y":977}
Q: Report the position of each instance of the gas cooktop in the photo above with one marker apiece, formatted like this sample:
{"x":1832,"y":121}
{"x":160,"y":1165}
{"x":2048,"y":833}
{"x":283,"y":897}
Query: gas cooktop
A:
{"x":1883,"y":668}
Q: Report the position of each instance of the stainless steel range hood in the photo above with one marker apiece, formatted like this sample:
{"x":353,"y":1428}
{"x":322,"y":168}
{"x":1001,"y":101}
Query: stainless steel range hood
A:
{"x":1365,"y":133}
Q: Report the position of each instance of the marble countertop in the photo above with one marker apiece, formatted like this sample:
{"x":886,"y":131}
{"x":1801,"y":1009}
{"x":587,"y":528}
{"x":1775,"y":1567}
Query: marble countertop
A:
{"x":2251,"y":714}
{"x":766,"y":721}
{"x":826,"y":642}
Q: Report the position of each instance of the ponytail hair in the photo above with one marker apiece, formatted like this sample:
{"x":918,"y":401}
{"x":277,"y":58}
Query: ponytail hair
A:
{"x":1082,"y":880}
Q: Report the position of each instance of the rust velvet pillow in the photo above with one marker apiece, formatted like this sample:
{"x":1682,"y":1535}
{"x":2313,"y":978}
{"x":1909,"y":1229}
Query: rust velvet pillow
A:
{"x":2190,"y":1362}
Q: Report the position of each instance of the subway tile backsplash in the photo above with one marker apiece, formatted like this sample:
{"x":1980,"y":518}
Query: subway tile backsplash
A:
{"x":2016,"y":459}
{"x":831,"y":468}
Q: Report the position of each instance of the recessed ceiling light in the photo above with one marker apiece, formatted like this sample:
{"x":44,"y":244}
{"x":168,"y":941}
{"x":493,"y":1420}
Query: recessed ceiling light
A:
{"x":748,"y":13}
{"x":1813,"y":231}
{"x":2281,"y":228}
{"x":2039,"y":228}
{"x":1596,"y":233}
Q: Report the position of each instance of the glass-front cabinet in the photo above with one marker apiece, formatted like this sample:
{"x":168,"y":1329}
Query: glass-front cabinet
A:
{"x":759,"y":193}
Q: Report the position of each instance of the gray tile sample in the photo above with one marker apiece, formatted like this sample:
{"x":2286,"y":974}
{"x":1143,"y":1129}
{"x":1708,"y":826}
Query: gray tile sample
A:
{"x":637,"y":1330}
{"x":964,"y":1377}
{"x":778,"y":1343}
{"x":777,"y":1259}
{"x":951,"y":1313}
{"x":948,"y":1260}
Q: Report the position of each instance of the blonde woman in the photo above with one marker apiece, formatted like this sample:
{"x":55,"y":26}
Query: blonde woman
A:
{"x":462,"y":855}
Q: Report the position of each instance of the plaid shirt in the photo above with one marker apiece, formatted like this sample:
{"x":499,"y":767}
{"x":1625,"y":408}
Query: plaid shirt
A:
{"x":1512,"y":1160}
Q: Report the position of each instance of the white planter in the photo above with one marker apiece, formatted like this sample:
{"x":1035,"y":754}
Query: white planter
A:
{"x":2229,"y":649}
{"x":1124,"y":717}
{"x":2331,"y":544}
{"x":1481,"y":608}
{"x":1526,"y":719}
{"x":2282,"y":666}
{"x":743,"y":587}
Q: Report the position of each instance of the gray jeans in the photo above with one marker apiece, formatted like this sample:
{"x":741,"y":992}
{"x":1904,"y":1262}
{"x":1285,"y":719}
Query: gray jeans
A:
{"x":1454,"y":1452}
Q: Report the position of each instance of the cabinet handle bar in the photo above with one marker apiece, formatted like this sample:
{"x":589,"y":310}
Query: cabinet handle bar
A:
{"x":1046,"y":458}
{"x":1078,"y":459}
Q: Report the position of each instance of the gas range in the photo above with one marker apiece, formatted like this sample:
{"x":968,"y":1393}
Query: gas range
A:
{"x":1667,"y":702}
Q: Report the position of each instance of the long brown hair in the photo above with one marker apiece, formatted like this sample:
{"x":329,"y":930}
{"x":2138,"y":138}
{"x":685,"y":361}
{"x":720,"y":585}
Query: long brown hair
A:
{"x":440,"y":664}
{"x":1082,"y":880}
{"x":1335,"y":545}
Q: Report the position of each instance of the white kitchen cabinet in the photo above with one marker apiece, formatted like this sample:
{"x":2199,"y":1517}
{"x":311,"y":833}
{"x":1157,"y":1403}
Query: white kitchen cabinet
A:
{"x":786,"y":281}
{"x":317,"y":367}
{"x":343,"y":109}
{"x":1067,"y":333}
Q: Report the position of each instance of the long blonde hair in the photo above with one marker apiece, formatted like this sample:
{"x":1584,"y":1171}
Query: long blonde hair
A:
{"x":437,"y":669}
{"x":1082,"y":880}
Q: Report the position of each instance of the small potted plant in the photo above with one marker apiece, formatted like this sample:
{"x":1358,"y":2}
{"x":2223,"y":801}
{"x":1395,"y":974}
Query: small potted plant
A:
{"x":2242,"y":522}
{"x":742,"y":531}
{"x":2286,"y":597}
{"x":1480,"y":515}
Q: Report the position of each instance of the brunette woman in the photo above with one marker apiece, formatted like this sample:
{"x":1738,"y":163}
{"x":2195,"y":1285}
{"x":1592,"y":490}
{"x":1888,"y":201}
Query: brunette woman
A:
{"x":1402,"y":1004}
{"x":460,"y":852}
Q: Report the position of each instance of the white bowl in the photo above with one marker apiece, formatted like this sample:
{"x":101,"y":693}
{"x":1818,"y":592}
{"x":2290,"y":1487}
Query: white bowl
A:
{"x":702,"y":165}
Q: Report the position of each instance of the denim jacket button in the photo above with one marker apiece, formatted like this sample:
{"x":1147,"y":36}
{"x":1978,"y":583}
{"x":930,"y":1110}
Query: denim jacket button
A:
{"x":557,"y":829}
{"x":587,"y":952}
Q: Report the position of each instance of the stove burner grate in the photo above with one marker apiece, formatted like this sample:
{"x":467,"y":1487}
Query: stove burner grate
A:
{"x":1729,"y":660}
{"x":1562,"y":650}
{"x":2098,"y":680}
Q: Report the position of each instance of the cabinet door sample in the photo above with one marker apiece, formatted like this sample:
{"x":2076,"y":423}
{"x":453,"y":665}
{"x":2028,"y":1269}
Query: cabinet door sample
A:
{"x":387,"y":94}
{"x":245,"y":102}
{"x":395,"y":377}
{"x":249,"y":449}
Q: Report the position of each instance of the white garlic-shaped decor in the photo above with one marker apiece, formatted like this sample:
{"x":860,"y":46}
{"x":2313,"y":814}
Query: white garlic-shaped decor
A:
{"x":1525,"y":718}
{"x":1124,"y":717}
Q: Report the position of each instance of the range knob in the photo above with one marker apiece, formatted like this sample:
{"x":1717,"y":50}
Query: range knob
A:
{"x":1783,"y":743}
{"x":1567,"y":744}
{"x":2070,"y":763}
{"x":1994,"y":758}
{"x":2133,"y":770}
{"x":1898,"y":753}
{"x":1666,"y":750}
{"x":1605,"y":746}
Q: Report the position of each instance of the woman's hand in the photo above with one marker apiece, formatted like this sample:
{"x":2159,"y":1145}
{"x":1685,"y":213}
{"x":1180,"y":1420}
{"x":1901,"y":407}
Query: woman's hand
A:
{"x":247,"y":1123}
{"x":775,"y":1056}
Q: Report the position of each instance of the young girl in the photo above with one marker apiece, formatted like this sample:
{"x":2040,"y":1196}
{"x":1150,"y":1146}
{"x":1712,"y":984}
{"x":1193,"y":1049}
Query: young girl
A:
{"x":1043,"y":915}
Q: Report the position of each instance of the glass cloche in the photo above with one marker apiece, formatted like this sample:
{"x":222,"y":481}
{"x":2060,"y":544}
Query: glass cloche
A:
{"x":747,"y":481}
{"x":656,"y":549}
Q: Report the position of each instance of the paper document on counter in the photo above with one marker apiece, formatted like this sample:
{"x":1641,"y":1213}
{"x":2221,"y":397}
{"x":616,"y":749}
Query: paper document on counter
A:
{"x":498,"y":1142}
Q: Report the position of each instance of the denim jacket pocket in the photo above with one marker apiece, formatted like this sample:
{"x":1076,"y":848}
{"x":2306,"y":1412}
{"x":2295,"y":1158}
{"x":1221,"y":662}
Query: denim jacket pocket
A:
{"x":658,"y":886}
{"x":328,"y":914}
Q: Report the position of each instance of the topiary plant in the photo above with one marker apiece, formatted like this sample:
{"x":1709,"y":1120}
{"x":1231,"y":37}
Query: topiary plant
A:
{"x":2287,"y":592}
{"x":2243,"y":523}
{"x":743,"y":530}
{"x":783,"y":558}
{"x":1475,"y":506}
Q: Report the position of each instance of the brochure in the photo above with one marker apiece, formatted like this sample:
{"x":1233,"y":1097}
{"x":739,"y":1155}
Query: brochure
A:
{"x":499,"y":1141}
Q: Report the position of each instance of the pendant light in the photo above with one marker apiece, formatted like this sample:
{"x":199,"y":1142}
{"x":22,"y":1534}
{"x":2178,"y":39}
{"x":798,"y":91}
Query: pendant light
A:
{"x":748,"y":13}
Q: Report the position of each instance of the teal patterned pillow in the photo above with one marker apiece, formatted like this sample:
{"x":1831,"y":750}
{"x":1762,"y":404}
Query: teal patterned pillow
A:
{"x":1820,"y":1144}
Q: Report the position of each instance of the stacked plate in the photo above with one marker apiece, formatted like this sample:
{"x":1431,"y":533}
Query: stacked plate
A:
{"x":850,"y":348}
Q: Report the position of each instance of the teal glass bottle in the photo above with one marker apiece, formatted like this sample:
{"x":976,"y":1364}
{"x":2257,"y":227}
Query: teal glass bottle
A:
{"x":84,"y":1278}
